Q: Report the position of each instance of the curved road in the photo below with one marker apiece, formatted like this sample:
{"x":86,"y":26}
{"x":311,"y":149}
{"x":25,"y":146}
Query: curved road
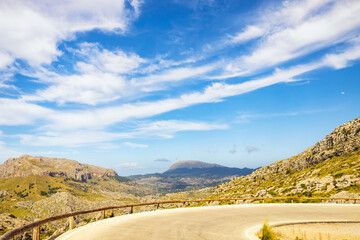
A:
{"x":217,"y":222}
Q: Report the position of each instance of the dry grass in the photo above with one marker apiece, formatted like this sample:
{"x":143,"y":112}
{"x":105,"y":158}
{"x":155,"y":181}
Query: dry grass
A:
{"x":319,"y":231}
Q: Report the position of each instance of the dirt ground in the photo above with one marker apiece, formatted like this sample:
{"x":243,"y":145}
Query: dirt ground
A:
{"x":319,"y":231}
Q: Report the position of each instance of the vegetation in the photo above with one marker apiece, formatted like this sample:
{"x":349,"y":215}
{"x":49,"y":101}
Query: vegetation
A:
{"x":267,"y":233}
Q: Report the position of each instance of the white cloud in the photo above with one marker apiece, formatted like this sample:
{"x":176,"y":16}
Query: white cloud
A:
{"x":68,"y":139}
{"x":172,"y":75}
{"x":167,"y":128}
{"x":99,"y":78}
{"x":33,"y":29}
{"x":135,"y":145}
{"x":5,"y":59}
{"x":99,"y":118}
{"x":249,"y":33}
{"x":16,"y":112}
{"x":164,"y":129}
{"x":342,"y":60}
{"x":116,"y":62}
{"x":251,"y":149}
{"x":91,"y":88}
{"x":129,"y":165}
{"x":295,"y":33}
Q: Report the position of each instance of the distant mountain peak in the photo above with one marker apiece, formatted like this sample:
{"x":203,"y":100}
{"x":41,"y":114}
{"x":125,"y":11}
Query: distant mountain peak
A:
{"x":190,"y":164}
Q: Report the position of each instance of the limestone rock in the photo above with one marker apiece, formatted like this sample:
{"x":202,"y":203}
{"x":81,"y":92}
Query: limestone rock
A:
{"x":55,"y":167}
{"x":3,"y":193}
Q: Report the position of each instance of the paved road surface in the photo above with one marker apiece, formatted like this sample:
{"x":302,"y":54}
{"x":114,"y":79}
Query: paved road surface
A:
{"x":218,"y":222}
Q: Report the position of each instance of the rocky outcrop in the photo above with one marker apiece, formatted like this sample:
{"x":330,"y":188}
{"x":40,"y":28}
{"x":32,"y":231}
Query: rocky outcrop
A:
{"x":330,"y":166}
{"x":344,"y":139}
{"x":63,"y":202}
{"x":55,"y":167}
{"x":3,"y":193}
{"x":9,"y":222}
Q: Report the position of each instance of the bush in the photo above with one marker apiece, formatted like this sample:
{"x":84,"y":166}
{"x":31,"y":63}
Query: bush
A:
{"x":43,"y":193}
{"x":267,"y":233}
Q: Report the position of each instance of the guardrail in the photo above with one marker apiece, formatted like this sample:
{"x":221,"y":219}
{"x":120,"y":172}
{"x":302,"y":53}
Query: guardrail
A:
{"x":35,"y":226}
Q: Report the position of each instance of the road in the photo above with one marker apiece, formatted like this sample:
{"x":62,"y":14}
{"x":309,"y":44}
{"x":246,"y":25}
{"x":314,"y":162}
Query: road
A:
{"x":217,"y":222}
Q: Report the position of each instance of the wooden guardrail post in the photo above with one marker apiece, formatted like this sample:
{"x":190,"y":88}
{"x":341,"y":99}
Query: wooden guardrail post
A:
{"x":71,"y":223}
{"x":157,"y":206}
{"x":131,"y":210}
{"x":102,"y":216}
{"x":184,"y":204}
{"x":36,"y":233}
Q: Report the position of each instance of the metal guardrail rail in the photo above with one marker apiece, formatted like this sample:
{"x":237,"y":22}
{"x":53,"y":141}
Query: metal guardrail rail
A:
{"x":35,"y":226}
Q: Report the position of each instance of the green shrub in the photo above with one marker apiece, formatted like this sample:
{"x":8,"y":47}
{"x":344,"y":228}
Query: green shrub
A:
{"x":267,"y":233}
{"x":43,"y":193}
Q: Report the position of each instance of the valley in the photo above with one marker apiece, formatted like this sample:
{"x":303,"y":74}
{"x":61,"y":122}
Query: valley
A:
{"x":33,"y":187}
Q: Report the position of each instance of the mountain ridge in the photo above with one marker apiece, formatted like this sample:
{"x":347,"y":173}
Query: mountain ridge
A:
{"x":191,"y":164}
{"x":328,"y":168}
{"x":27,"y":165}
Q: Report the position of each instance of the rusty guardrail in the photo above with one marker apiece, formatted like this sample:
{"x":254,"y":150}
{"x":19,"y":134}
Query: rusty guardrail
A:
{"x":35,"y":226}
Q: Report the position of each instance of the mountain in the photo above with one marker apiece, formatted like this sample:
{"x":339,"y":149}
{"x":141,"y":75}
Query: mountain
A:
{"x":37,"y":187}
{"x":54,"y":167}
{"x":190,"y":168}
{"x":329,"y":168}
{"x":188,"y":175}
{"x":190,"y":164}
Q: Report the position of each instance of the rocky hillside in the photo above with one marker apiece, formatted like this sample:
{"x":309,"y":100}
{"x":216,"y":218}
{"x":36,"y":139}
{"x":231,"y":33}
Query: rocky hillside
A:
{"x":329,"y":168}
{"x":39,"y":187}
{"x":55,"y":167}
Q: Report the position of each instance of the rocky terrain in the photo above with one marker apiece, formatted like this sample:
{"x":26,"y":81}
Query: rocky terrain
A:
{"x":40,"y":187}
{"x":189,"y":175}
{"x":55,"y":167}
{"x":329,"y":168}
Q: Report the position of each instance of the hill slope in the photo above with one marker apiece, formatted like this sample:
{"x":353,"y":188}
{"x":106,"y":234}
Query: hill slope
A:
{"x":329,"y":167}
{"x":30,"y":179}
{"x":55,"y":167}
{"x":38,"y":187}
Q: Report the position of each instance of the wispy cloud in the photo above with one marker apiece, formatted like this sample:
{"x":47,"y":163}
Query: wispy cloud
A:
{"x":233,"y":150}
{"x":129,"y":165}
{"x":135,"y":145}
{"x":172,"y":75}
{"x":162,"y":129}
{"x":102,"y":117}
{"x":161,"y":160}
{"x":251,"y":149}
{"x":297,"y":31}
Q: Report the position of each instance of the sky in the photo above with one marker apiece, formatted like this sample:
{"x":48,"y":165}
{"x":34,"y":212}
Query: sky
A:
{"x":136,"y":85}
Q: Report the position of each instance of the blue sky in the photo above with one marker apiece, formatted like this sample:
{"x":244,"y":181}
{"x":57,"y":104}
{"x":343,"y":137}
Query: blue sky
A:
{"x":137,"y":85}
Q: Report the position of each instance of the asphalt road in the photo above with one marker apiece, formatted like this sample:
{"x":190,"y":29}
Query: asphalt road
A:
{"x":218,"y":222}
